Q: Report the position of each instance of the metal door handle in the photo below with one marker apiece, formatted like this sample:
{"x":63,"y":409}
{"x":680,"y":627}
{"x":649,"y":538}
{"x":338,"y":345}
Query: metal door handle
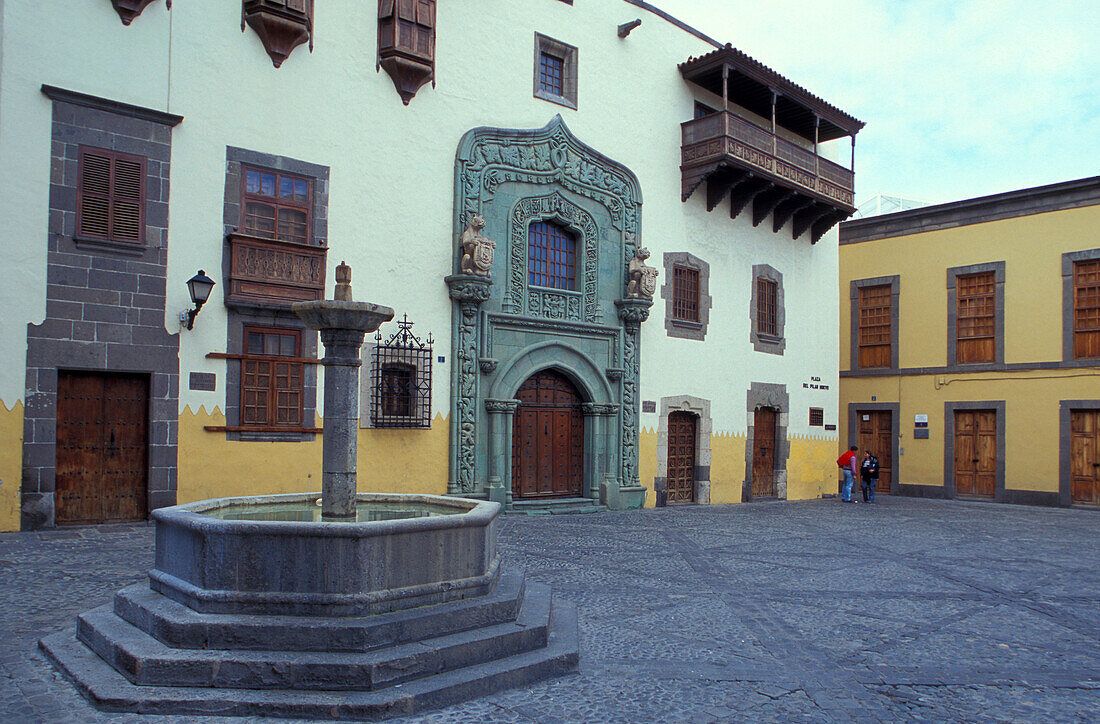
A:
{"x":974,"y":460}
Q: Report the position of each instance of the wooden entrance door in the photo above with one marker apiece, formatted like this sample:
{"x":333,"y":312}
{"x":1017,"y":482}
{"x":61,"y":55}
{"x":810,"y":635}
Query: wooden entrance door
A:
{"x":102,"y":447}
{"x":1084,"y":457}
{"x":976,"y":453}
{"x":548,"y":438}
{"x":681,"y":457}
{"x":763,"y":453}
{"x":876,"y":434}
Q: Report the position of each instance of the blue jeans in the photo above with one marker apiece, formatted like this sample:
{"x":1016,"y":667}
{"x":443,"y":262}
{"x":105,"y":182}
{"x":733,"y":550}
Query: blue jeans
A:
{"x":868,"y":486}
{"x":846,"y":488}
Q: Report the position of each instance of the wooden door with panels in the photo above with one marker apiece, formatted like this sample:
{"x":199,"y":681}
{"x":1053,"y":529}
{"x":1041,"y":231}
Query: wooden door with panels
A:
{"x":102,"y":448}
{"x":976,"y":453}
{"x":682,"y":428}
{"x":548,"y":438}
{"x":763,"y":453}
{"x":1084,"y":457}
{"x":875,"y":433}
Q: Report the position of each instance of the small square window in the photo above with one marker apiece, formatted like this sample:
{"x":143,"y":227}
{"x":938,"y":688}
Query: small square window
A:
{"x":555,"y":71}
{"x":817,"y":417}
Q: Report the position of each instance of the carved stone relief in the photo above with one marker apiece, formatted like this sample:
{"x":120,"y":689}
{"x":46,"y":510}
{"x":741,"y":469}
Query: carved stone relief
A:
{"x":477,"y":250}
{"x":486,"y":159}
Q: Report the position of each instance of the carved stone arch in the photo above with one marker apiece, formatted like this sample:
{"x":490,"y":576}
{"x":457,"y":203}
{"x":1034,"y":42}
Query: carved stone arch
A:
{"x":577,"y":366}
{"x":488,"y":157}
{"x":519,"y":297}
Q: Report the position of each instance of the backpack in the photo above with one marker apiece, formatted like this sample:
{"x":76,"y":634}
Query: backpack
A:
{"x":842,"y":461}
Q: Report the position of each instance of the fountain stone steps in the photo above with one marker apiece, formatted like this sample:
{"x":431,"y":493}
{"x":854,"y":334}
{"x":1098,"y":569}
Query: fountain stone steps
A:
{"x":148,"y":662}
{"x":178,"y":626}
{"x":108,"y":690}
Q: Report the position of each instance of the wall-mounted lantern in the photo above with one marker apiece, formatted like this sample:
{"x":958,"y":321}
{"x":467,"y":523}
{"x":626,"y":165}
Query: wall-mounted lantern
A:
{"x":199,"y":287}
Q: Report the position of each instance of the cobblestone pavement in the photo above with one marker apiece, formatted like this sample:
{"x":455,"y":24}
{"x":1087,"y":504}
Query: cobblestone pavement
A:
{"x":906,"y":610}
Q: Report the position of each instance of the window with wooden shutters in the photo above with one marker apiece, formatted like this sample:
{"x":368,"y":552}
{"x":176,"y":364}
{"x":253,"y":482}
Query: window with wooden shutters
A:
{"x":275,"y":205}
{"x":685,"y":293}
{"x":111,"y":196}
{"x":406,"y":43}
{"x":551,"y":256}
{"x":398,"y":390}
{"x":874,"y":326}
{"x":975,"y":330}
{"x":766,"y":307}
{"x":1086,"y":309}
{"x":271,"y":378}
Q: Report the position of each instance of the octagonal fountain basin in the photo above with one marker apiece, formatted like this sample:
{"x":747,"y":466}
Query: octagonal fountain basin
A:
{"x":272,"y":555}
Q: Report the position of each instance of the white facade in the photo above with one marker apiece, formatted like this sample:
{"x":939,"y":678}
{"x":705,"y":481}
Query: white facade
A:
{"x":391,"y":184}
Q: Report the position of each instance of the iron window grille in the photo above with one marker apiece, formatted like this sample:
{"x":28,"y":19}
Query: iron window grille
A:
{"x":817,"y":416}
{"x":401,"y":379}
{"x":685,"y":294}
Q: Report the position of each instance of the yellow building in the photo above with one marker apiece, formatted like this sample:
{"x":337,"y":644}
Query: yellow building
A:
{"x":970,"y":346}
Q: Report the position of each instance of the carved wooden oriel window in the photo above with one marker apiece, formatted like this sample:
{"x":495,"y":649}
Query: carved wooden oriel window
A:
{"x":275,"y":205}
{"x":271,"y":378}
{"x":401,"y":381}
{"x":406,"y":44}
{"x":130,"y":9}
{"x":1086,"y":309}
{"x":111,"y":196}
{"x":551,"y":256}
{"x":282,"y":25}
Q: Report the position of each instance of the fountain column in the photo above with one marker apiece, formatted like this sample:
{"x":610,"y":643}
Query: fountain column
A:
{"x":343,"y":324}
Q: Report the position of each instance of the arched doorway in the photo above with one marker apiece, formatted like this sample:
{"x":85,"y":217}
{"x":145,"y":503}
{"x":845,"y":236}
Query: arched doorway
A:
{"x":548,"y":438}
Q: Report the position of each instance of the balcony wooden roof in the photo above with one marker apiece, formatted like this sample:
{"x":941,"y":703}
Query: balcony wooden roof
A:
{"x":751,"y":84}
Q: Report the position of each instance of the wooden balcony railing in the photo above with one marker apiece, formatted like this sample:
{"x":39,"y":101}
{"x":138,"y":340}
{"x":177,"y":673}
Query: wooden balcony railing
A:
{"x":724,"y":138}
{"x":271,"y":273}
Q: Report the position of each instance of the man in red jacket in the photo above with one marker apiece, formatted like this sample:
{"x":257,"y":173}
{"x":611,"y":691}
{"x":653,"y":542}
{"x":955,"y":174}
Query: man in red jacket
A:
{"x":847,"y":463}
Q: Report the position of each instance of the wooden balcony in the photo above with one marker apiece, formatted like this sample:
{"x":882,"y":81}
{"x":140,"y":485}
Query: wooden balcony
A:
{"x":754,"y":164}
{"x":750,"y":164}
{"x":273,"y":274}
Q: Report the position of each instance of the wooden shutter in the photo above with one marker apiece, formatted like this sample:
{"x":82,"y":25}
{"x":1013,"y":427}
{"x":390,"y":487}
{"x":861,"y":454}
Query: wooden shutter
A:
{"x":1086,"y":309}
{"x":875,"y":312}
{"x":271,"y":385}
{"x":975,"y":325}
{"x":766,"y":317}
{"x":111,"y":196}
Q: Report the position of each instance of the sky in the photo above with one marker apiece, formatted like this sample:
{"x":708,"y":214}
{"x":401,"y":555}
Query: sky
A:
{"x":962,"y":98}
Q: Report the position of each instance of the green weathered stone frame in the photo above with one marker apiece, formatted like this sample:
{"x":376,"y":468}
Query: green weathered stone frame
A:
{"x":514,"y":178}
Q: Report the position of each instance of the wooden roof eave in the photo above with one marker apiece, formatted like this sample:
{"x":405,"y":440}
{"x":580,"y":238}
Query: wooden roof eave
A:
{"x":696,"y":69}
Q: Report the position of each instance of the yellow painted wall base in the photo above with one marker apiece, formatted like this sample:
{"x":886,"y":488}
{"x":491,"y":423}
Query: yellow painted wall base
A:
{"x":391,"y":461}
{"x":11,"y":464}
{"x":811,"y":466}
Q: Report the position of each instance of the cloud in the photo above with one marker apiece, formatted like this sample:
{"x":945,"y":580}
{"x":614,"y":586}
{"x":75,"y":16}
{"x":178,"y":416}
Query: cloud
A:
{"x":961,"y":99}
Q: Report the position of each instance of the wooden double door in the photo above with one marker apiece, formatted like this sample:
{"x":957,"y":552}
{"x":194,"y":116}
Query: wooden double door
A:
{"x":763,"y":453}
{"x":548,"y":438}
{"x":1084,"y":457}
{"x":102,"y":448}
{"x":875,"y":434}
{"x":976,"y":453}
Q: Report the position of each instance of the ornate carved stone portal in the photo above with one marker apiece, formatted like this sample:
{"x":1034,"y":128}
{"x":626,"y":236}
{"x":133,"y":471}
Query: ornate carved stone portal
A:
{"x":507,"y":329}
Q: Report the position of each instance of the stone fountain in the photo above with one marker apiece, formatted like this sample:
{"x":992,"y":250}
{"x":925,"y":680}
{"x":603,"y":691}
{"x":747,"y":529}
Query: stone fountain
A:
{"x":378,"y":605}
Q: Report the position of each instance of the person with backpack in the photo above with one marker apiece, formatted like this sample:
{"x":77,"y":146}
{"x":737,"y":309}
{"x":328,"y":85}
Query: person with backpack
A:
{"x":847,"y":464}
{"x":868,"y":473}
